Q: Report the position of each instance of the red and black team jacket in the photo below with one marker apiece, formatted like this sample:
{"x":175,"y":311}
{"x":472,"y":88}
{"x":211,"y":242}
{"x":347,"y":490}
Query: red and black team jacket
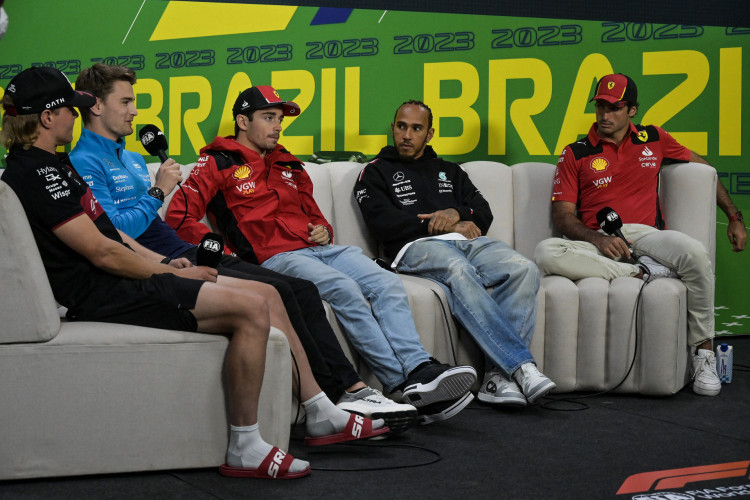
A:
{"x":262,"y":205}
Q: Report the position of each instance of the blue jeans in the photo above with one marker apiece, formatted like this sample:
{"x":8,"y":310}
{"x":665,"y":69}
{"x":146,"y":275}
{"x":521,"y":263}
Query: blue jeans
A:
{"x":385,"y":336}
{"x":501,"y":321}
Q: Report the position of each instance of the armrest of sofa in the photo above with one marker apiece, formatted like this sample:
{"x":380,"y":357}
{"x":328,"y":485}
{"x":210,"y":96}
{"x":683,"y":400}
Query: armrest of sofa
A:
{"x":28,"y":310}
{"x":688,"y":200}
{"x":495,"y":181}
{"x":349,"y":227}
{"x":322,"y":190}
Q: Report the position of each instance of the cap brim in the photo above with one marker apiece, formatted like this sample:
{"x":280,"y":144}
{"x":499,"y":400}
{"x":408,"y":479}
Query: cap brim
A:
{"x":608,"y":98}
{"x":289,"y":108}
{"x":83,"y":99}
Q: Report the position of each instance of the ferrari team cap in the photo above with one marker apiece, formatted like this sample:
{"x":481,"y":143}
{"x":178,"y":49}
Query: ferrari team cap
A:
{"x":260,"y":97}
{"x":616,"y":89}
{"x":35,"y":89}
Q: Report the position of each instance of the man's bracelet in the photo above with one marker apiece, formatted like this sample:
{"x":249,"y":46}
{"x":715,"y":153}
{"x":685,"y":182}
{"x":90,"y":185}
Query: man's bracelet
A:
{"x":738,"y":216}
{"x":166,"y":260}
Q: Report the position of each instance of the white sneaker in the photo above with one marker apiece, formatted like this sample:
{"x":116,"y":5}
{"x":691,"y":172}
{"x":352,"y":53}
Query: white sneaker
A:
{"x":371,"y":403}
{"x":653,"y":270}
{"x":705,"y":378}
{"x":497,"y":389}
{"x":533,"y":383}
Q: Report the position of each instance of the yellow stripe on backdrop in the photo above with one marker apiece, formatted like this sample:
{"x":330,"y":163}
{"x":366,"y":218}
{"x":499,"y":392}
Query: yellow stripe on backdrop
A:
{"x":199,"y":19}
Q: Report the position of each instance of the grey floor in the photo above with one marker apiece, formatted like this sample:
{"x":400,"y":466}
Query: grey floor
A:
{"x":584,"y":448}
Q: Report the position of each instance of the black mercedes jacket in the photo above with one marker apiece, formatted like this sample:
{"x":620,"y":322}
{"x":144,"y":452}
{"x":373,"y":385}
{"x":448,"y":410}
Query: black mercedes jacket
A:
{"x":391,"y":192}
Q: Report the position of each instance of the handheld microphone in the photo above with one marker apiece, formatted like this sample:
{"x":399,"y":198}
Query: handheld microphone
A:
{"x":210,"y":250}
{"x":610,"y":222}
{"x":154,"y":141}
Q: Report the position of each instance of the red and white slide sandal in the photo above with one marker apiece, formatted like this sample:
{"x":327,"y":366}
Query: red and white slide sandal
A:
{"x":274,"y":466}
{"x":358,"y":427}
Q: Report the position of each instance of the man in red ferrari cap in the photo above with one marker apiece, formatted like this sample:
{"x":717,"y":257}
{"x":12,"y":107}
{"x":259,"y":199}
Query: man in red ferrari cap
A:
{"x":617,"y":166}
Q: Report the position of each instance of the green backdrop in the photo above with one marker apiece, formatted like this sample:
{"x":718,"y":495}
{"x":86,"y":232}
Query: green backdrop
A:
{"x":507,"y":89}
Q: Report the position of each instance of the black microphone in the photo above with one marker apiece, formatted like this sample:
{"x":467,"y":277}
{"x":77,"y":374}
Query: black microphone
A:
{"x":210,"y":250}
{"x":610,"y":222}
{"x":154,"y":141}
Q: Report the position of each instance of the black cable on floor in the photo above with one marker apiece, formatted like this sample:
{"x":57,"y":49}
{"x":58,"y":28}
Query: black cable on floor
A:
{"x":361,"y":444}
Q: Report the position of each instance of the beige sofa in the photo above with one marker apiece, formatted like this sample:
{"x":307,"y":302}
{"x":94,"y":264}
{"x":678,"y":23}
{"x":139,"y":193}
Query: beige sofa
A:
{"x":91,"y":398}
{"x":88,"y":398}
{"x":585,"y":337}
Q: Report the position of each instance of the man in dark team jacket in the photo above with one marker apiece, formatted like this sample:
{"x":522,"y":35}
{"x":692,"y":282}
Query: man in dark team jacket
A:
{"x":431,"y":220}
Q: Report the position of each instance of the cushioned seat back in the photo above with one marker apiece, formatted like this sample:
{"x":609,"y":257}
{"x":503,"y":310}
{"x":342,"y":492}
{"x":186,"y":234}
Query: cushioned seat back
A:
{"x":322,"y":193}
{"x":532,"y":182}
{"x":350,"y":227}
{"x":185,"y":169}
{"x":495,"y":181}
{"x":28,"y":310}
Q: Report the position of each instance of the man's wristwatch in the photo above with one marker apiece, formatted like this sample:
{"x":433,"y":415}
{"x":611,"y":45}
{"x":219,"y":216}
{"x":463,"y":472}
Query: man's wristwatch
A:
{"x":156,"y":193}
{"x":738,"y":216}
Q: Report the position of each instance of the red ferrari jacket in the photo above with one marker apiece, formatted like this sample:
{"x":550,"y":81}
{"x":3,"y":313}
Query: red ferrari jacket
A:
{"x":262,"y":205}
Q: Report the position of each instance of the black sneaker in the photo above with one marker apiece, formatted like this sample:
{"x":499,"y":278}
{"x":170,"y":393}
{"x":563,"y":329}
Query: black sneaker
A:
{"x":433,"y":382}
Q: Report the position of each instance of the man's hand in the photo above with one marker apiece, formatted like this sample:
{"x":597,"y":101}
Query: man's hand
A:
{"x":168,"y":176}
{"x":468,"y":229}
{"x":180,"y":263}
{"x":612,"y":246}
{"x":198,"y":273}
{"x":318,"y":234}
{"x":441,"y":221}
{"x":737,"y":235}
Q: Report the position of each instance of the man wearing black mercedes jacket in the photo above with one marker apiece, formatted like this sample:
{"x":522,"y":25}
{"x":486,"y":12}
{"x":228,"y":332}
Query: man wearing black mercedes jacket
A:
{"x":431,"y":221}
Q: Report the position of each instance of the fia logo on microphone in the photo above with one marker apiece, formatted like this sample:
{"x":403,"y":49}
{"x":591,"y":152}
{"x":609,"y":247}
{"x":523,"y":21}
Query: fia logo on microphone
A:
{"x":212,"y":245}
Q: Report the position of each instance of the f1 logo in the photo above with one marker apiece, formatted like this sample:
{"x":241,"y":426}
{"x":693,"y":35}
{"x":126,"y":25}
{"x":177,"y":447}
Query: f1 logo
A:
{"x":677,"y":478}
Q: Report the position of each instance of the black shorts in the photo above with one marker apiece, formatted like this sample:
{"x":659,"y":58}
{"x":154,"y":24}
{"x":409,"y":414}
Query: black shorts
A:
{"x":161,"y":301}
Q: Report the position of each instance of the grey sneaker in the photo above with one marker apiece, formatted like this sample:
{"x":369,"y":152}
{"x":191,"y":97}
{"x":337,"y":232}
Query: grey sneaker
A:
{"x":433,"y":382}
{"x":653,"y":270}
{"x":533,"y":383}
{"x":371,"y":403}
{"x":497,"y":389}
{"x":705,"y":378}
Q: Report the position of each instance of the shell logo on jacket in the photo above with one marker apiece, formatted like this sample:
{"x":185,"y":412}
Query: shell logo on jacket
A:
{"x":599,"y":164}
{"x":242,"y":172}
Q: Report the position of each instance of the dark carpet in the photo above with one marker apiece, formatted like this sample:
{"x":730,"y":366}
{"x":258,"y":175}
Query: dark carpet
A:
{"x":569,"y":449}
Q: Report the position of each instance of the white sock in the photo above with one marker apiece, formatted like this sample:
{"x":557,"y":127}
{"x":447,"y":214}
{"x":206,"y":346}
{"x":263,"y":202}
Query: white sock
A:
{"x":247,"y":449}
{"x":324,"y":417}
